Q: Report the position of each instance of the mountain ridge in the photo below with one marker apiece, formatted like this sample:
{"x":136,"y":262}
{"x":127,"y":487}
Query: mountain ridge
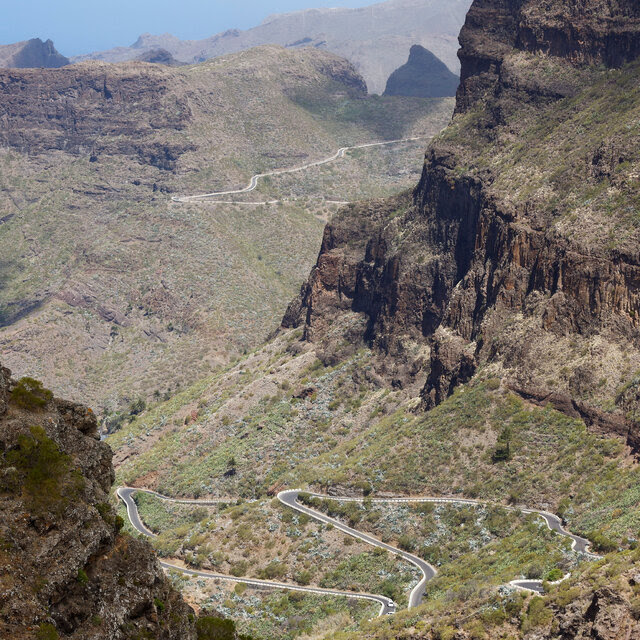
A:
{"x":489,"y":258}
{"x":385,"y":33}
{"x":32,"y":53}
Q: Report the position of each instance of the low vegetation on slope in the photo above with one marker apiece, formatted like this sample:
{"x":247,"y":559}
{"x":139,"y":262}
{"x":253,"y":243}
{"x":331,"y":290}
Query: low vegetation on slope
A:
{"x":110,"y":291}
{"x":275,"y":418}
{"x":279,"y":419}
{"x":575,"y":158}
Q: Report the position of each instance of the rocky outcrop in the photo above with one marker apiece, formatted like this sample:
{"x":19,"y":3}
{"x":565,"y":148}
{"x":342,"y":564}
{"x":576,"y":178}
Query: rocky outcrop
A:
{"x":64,"y":565}
{"x":485,"y":275}
{"x":31,"y":54}
{"x":423,"y":76}
{"x":605,"y":614}
{"x":93,"y":110}
{"x":159,"y":56}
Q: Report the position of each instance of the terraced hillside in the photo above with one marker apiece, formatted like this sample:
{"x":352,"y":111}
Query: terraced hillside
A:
{"x":113,"y":294}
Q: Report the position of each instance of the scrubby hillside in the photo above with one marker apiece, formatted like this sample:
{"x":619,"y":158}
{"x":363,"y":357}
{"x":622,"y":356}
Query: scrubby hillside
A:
{"x":112,"y":293}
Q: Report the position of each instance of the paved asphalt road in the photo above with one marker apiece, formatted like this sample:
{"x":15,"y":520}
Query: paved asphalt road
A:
{"x":387,"y":606}
{"x":254,"y":180}
{"x":290,"y":499}
{"x":580,"y":545}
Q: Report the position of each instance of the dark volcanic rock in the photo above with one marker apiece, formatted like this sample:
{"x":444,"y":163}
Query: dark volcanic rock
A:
{"x":32,"y":54}
{"x":423,"y":76}
{"x":95,"y":109}
{"x":580,"y":31}
{"x":488,"y":278}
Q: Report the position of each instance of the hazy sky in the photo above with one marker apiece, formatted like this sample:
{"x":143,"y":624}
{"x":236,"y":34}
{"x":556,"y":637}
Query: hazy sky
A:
{"x":81,"y":26}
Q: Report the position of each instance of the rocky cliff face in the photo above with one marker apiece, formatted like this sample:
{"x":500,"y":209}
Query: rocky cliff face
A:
{"x":518,"y":252}
{"x":64,"y":566}
{"x":99,"y":109}
{"x":152,"y":114}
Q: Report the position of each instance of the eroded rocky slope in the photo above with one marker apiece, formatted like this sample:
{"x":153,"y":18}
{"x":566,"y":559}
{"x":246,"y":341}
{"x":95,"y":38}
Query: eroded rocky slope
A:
{"x":65,"y":567}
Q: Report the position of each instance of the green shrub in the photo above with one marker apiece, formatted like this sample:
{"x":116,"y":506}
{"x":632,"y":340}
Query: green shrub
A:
{"x":389,"y":589}
{"x":445,"y":633}
{"x":554,"y":575}
{"x":513,"y":606}
{"x":407,"y":542}
{"x":534,"y":572}
{"x":83,"y":578}
{"x":537,"y":614}
{"x":303,"y":577}
{"x":494,"y":617}
{"x":273,"y":570}
{"x":601,"y":542}
{"x":502,"y":452}
{"x":104,"y":509}
{"x":30,"y":394}
{"x":239,"y":568}
{"x":160,"y":606}
{"x":47,"y":631}
{"x":48,"y":482}
{"x":137,"y":407}
{"x":212,"y":628}
{"x":476,"y":631}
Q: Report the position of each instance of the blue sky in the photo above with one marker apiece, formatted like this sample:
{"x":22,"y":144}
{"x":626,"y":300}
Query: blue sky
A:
{"x":81,"y":26}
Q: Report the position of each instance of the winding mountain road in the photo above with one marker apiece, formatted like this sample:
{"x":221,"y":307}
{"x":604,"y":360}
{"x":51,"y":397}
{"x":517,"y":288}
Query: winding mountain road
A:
{"x":253,"y":183}
{"x":553,"y":522}
{"x":290,"y":498}
{"x":387,"y":605}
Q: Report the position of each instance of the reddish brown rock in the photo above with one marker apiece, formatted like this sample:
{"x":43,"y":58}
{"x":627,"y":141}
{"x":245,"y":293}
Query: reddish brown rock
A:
{"x":487,"y":278}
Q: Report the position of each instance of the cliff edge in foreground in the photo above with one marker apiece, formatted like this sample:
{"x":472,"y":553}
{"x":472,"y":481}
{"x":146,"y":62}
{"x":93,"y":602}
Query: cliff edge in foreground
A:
{"x":65,"y":569}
